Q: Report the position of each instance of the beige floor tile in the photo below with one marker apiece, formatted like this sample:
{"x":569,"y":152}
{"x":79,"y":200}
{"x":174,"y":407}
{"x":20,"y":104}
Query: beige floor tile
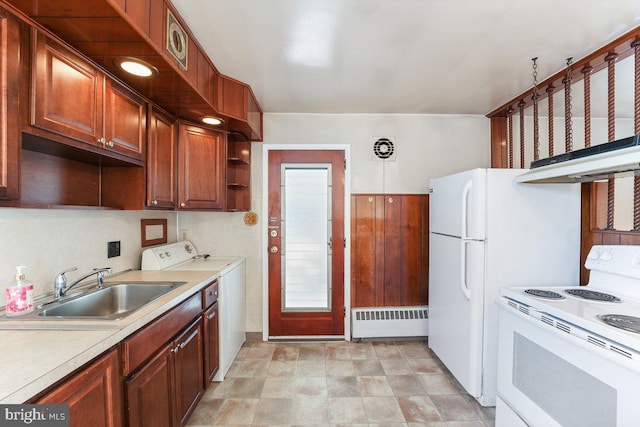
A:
{"x":466,"y":424}
{"x":368,"y":367}
{"x":246,"y":388}
{"x":311,"y":352}
{"x":360,"y":351}
{"x":310,"y":410}
{"x":218,"y":390}
{"x":273,"y":411}
{"x":343,"y":387}
{"x":424,"y":366}
{"x":206,"y":412}
{"x":311,"y":368}
{"x":237,"y":412}
{"x":287,"y":352}
{"x":454,"y":408}
{"x":414,"y":351}
{"x":234,"y":369}
{"x":431,"y":424}
{"x":278,"y":388}
{"x":242,"y":354}
{"x":375,"y":386}
{"x":337,"y":351}
{"x":260,"y":353}
{"x":438,"y":384}
{"x":418,"y":409}
{"x":396,"y":367}
{"x":282,"y":368}
{"x":387,"y":351}
{"x":346,"y":410}
{"x":311,"y":386}
{"x":253,"y":369}
{"x":340,"y":368}
{"x":382,"y":410}
{"x":406,"y":385}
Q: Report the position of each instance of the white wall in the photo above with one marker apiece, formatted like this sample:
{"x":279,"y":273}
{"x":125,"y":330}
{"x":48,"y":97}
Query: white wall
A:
{"x":48,"y":241}
{"x":428,"y":146}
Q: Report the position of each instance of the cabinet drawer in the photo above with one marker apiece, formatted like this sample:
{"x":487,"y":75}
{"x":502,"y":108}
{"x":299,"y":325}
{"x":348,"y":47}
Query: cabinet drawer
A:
{"x":144,"y":343}
{"x":210,"y":294}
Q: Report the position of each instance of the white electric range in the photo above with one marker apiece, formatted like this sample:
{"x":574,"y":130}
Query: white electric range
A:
{"x":570,"y":356}
{"x":231,"y":291}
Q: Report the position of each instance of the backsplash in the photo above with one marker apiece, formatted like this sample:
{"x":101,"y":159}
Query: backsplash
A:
{"x":48,"y":241}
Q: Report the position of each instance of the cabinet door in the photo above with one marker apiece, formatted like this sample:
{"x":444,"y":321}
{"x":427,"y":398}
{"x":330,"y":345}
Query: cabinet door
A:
{"x":93,"y":395}
{"x":162,"y":154}
{"x":67,"y":92}
{"x":10,"y":34}
{"x":201,"y":170}
{"x":150,"y":392}
{"x":188,"y":367}
{"x":125,"y":121}
{"x":211,"y":343}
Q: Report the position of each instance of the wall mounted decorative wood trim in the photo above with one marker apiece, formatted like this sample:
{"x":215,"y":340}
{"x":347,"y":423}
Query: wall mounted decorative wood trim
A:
{"x":153,"y":232}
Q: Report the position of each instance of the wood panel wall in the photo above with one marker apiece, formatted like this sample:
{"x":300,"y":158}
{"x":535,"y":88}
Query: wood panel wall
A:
{"x":389,"y":250}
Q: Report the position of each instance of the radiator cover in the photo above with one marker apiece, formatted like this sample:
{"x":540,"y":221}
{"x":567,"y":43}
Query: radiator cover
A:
{"x":390,"y":322}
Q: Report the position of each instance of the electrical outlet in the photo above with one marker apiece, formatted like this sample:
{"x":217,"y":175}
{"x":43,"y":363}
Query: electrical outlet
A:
{"x":113,"y":249}
{"x":184,"y":233}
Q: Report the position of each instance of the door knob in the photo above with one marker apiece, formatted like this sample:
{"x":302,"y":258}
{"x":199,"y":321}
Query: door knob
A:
{"x":274,"y":233}
{"x":273,"y":249}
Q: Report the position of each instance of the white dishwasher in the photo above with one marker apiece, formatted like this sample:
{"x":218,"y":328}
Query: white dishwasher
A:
{"x":231,"y":291}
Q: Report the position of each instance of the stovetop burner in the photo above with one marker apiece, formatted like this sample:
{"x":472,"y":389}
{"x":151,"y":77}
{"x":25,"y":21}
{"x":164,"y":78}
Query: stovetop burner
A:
{"x":592,"y":295}
{"x":628,"y":323}
{"x":541,"y":293}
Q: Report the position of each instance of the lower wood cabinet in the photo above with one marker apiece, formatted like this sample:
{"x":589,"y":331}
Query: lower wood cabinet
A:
{"x":165,"y":391}
{"x":211,"y":343}
{"x":94,"y":394}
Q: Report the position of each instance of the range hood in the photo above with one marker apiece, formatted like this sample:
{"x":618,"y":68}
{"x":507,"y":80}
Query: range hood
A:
{"x":619,"y":158}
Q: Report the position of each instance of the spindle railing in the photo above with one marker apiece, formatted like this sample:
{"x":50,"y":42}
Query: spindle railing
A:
{"x":598,"y":207}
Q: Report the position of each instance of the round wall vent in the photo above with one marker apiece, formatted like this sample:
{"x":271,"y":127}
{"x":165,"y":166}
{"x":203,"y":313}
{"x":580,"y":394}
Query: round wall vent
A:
{"x":383,"y":148}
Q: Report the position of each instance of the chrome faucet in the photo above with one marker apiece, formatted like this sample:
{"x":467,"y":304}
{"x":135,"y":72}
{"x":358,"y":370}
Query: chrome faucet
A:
{"x":60,"y":287}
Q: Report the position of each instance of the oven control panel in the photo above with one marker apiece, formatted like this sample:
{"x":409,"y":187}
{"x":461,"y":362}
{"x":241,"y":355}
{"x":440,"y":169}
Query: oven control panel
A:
{"x":623,"y":260}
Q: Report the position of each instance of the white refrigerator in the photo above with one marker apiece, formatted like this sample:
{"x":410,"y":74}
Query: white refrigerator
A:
{"x":488,"y":232}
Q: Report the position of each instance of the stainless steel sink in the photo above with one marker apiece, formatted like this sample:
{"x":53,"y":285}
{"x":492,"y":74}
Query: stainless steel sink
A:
{"x":111,"y":302}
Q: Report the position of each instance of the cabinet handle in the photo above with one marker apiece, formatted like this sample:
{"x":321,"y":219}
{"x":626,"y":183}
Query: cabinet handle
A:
{"x":175,"y":349}
{"x":390,"y":199}
{"x":184,"y":343}
{"x":183,"y":204}
{"x":101,"y":141}
{"x":211,"y":316}
{"x":154,"y":202}
{"x":110,"y":143}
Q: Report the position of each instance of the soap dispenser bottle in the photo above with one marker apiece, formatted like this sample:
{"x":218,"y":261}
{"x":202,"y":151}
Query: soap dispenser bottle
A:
{"x":19,"y":295}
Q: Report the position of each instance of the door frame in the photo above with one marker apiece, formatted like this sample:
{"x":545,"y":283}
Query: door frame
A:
{"x":347,"y":231}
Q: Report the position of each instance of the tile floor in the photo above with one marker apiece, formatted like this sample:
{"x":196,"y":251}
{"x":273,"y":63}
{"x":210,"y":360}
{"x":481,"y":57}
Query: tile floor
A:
{"x":399,"y":383}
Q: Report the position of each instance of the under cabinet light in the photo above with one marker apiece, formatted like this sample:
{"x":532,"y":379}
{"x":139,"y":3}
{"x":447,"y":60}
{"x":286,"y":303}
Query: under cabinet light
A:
{"x":136,"y":66}
{"x":210,"y":120}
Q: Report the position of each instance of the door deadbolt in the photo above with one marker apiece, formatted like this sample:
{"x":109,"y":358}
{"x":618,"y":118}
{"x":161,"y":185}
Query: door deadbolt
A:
{"x":273,"y":249}
{"x":274,"y":233}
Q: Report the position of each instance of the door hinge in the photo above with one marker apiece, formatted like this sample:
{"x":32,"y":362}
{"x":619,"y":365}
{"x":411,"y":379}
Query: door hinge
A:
{"x":344,"y":311}
{"x":345,"y":163}
{"x":345,"y":242}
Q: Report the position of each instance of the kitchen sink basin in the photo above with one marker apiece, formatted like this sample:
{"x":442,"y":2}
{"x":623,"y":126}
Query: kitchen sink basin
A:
{"x":111,"y":302}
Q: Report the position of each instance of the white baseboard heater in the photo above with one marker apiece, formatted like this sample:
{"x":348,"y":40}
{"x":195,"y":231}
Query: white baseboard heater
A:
{"x":390,"y":322}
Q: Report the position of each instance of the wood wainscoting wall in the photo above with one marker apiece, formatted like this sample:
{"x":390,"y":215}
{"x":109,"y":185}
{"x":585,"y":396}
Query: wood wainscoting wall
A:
{"x":389,"y":250}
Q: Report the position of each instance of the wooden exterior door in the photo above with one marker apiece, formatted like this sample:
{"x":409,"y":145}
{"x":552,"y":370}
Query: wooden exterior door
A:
{"x":306,"y":273}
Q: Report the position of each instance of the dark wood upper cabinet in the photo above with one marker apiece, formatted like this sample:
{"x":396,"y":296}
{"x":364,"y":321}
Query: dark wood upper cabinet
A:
{"x":66,"y":93}
{"x":94,"y":394}
{"x":125,"y":120}
{"x":201,"y":168}
{"x":10,"y":33}
{"x":232,"y":98}
{"x":72,"y":99}
{"x":162,"y":156}
{"x":389,"y":250}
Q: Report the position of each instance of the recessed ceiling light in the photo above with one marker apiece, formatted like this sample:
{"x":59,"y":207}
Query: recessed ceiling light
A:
{"x":210,"y":120}
{"x":136,"y":66}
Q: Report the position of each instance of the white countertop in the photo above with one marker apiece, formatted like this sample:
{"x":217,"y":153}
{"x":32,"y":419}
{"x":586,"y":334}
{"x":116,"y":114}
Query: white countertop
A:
{"x":34,"y":359}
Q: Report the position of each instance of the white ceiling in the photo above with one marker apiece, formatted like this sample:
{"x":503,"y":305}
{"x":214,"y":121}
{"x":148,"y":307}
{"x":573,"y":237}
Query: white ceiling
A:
{"x":398,"y":56}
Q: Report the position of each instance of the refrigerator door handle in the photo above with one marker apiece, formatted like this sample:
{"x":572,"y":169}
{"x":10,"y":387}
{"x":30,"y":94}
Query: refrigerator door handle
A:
{"x":463,"y":269}
{"x":465,"y":193}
